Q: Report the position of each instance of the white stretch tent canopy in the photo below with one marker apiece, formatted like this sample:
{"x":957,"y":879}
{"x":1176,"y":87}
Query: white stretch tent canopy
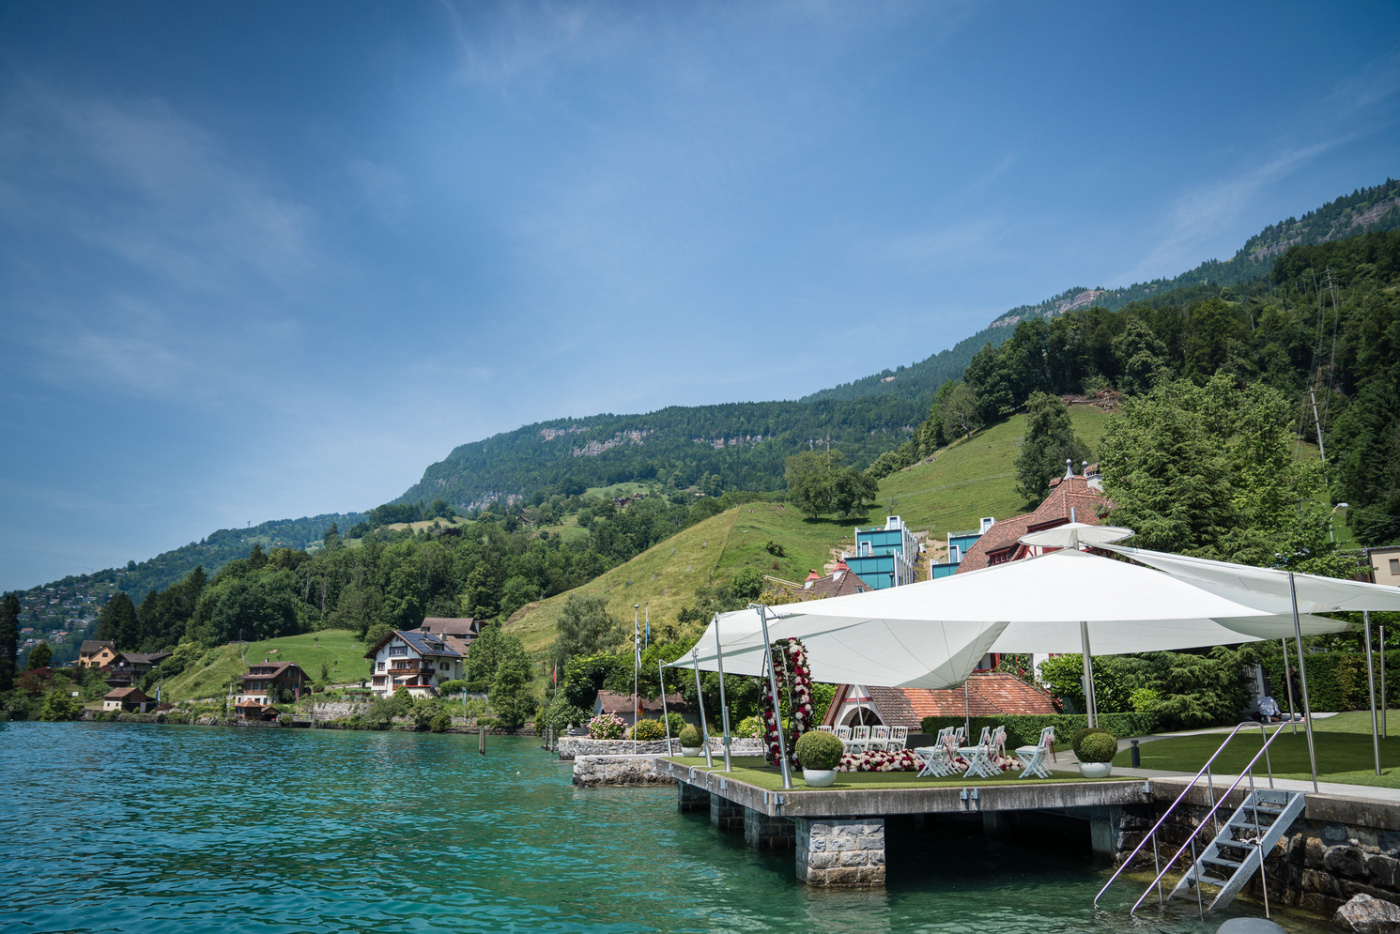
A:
{"x":932,"y":634}
{"x":1267,"y":588}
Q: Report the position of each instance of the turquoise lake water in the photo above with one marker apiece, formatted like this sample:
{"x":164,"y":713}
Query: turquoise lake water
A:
{"x":153,"y":829}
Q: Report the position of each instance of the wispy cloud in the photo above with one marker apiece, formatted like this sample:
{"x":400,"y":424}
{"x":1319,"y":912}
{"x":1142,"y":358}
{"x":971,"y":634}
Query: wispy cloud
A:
{"x":147,"y":186}
{"x":1194,"y":222}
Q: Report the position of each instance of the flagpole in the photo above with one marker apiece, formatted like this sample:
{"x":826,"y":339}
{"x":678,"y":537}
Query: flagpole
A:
{"x":636,"y":675}
{"x":1371,"y":690}
{"x":773,"y":690}
{"x":723,"y":706}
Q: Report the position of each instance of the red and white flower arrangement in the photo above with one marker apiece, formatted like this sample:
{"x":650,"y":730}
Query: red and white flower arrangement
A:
{"x":789,"y":660}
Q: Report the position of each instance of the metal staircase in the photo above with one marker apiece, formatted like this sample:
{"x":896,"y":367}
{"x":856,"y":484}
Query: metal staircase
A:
{"x":1236,"y":852}
{"x":1238,"y":848}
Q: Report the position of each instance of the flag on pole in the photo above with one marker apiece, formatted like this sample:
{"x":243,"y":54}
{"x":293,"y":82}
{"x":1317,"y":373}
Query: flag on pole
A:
{"x":648,"y":612}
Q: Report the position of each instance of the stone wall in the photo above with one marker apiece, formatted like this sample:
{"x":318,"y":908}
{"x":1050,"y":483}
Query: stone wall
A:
{"x":334,"y":710}
{"x":591,"y":771}
{"x":573,"y":746}
{"x":1343,"y":847}
{"x":841,"y":852}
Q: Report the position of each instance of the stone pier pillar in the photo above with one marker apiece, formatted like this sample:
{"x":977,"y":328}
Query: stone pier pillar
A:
{"x":849,"y":852}
{"x":1103,"y":830}
{"x":768,"y":833}
{"x":690,"y":798}
{"x":725,"y":814}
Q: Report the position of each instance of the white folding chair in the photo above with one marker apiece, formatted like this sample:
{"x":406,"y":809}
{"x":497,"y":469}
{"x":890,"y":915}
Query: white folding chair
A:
{"x":825,"y":729}
{"x":860,"y":739}
{"x":879,"y":738}
{"x":899,"y":737}
{"x":1033,"y":757}
{"x":934,"y":760}
{"x":979,"y":757}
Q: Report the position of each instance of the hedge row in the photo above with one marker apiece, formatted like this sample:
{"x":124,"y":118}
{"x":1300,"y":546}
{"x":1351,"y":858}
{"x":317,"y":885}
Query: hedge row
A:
{"x":1336,"y":680}
{"x":1024,"y":730}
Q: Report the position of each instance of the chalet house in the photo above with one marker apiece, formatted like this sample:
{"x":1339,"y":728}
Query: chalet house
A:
{"x":127,"y":699}
{"x":264,"y":684}
{"x":130,"y":667}
{"x":1072,"y":498}
{"x":94,"y":653}
{"x":457,"y":633}
{"x":841,"y":581}
{"x":630,"y":708}
{"x":418,"y":661}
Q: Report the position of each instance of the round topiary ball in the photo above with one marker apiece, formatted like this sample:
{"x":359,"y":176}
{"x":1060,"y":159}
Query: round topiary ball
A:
{"x":690,"y":736}
{"x":819,"y":750}
{"x":1097,"y":747}
{"x":1080,"y":735}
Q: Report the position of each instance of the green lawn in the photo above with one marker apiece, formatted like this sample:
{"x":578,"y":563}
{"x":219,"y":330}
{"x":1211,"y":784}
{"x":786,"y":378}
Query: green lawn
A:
{"x":342,"y":653}
{"x":1344,"y":752}
{"x":755,"y":771}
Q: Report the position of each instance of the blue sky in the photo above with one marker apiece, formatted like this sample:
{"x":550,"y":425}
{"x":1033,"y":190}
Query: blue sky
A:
{"x":263,"y":260}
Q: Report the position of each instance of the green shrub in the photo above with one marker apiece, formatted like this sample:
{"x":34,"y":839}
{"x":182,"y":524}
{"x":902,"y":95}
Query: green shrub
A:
{"x":690,"y":736}
{"x":750,"y":728}
{"x":440,"y":722}
{"x":649,"y":730}
{"x":1144,"y":700}
{"x":819,"y":750}
{"x":1080,"y":735}
{"x":1097,"y":747}
{"x":449,"y":688}
{"x":675,"y":723}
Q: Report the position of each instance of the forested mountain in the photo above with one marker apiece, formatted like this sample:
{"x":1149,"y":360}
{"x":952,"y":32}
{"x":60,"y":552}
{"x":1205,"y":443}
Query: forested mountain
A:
{"x":738,"y":446}
{"x":1364,"y":210}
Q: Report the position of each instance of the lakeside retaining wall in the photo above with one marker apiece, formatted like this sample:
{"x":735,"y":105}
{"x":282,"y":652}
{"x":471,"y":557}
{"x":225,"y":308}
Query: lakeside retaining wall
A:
{"x":592,"y":771}
{"x":571,"y":747}
{"x":1338,"y":848}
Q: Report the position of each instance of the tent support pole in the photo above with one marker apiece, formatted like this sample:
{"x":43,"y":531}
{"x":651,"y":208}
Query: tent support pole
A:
{"x":1385,"y":703}
{"x":700,"y":702}
{"x":1303,"y":679}
{"x":1371,"y":689}
{"x":773,"y":686}
{"x":1288,"y":686}
{"x":665,"y":714}
{"x":1090,"y":707}
{"x":967,"y":709}
{"x":723,"y":706}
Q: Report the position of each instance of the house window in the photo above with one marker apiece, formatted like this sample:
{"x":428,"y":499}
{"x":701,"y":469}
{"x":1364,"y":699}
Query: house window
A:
{"x":1395,"y":565}
{"x":379,"y":667}
{"x":398,"y":650}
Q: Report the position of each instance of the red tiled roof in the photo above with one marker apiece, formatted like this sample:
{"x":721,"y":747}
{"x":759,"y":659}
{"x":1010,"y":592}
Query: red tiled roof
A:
{"x":135,"y":695}
{"x":610,"y":702}
{"x":1087,"y":502}
{"x":840,"y":582}
{"x":994,"y":694}
{"x":1000,"y":537}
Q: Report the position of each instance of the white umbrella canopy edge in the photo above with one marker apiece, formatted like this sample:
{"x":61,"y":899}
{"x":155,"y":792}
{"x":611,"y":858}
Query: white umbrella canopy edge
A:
{"x":1267,"y":588}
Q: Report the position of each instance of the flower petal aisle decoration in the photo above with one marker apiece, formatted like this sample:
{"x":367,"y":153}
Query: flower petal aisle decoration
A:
{"x":789,"y":660}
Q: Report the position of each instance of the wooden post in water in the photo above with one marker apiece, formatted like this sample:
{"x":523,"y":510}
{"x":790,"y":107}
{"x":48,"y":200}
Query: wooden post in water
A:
{"x":481,"y":740}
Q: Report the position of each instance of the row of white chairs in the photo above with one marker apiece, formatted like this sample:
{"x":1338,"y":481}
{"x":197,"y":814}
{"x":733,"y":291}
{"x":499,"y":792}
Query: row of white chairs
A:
{"x":983,"y":759}
{"x":860,"y":739}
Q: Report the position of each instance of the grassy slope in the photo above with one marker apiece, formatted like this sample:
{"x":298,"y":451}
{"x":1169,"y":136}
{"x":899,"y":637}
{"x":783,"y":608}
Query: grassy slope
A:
{"x":967,"y":481}
{"x":338,"y":648}
{"x":974,"y":478}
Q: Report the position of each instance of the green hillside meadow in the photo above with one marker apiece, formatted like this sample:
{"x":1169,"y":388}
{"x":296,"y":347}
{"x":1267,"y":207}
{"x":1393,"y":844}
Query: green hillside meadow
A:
{"x":210,"y":678}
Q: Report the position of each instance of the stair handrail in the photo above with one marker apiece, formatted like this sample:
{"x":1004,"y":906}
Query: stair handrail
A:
{"x":1152,"y":834}
{"x":1248,"y":772}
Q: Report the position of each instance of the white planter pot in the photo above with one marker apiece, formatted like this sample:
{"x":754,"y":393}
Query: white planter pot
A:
{"x":1095,"y":769}
{"x":691,"y":752}
{"x":819,"y":778}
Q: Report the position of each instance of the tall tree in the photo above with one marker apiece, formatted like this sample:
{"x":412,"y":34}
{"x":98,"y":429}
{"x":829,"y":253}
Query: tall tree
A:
{"x":9,"y":640}
{"x":39,"y":656}
{"x":1049,"y":441}
{"x":117,"y":622}
{"x":585,"y":627}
